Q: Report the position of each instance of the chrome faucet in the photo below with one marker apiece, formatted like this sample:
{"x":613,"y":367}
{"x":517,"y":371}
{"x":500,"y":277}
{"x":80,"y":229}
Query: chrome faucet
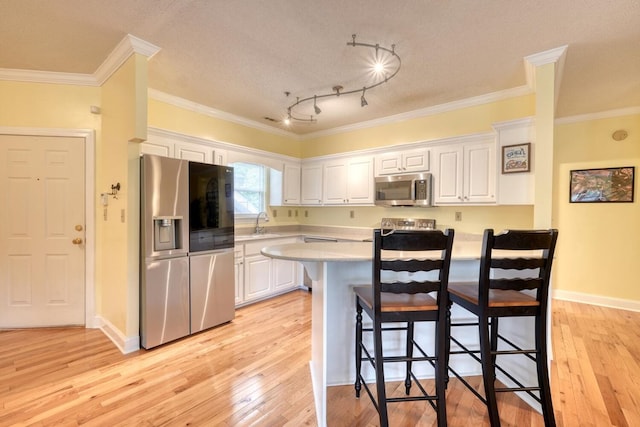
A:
{"x":260,"y":230}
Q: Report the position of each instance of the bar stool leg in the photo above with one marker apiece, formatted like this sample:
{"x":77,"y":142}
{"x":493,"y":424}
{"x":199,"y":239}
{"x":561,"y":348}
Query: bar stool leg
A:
{"x":488,"y":371}
{"x":380,"y":386}
{"x":409,"y":354}
{"x":358,"y":385}
{"x":442,"y":341}
{"x":494,"y":343}
{"x":543,"y":373}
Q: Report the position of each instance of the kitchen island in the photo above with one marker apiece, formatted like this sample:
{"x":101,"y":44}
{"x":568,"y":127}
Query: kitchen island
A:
{"x":335,"y":268}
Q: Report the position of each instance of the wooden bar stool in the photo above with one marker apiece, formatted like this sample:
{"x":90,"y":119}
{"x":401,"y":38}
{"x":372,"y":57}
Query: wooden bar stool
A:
{"x":423,"y":297}
{"x":514,"y":283}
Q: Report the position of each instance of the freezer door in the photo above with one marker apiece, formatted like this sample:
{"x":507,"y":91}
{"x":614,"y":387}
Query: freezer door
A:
{"x":164,"y":207}
{"x":164,"y":301}
{"x":212,"y":289}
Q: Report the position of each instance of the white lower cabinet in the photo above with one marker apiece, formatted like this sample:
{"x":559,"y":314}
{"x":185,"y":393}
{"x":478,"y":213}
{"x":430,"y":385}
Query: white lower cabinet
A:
{"x":257,"y":269}
{"x":284,"y":274}
{"x":259,"y":277}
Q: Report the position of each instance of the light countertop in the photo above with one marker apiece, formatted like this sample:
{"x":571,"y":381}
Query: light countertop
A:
{"x":354,"y":251}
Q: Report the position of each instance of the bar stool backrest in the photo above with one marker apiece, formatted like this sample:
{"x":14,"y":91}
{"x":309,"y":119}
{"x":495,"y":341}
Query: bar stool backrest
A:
{"x":416,"y":253}
{"x":528,"y":259}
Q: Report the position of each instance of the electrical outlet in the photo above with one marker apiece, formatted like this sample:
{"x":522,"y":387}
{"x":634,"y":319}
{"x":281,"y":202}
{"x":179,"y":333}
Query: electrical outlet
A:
{"x":296,"y":213}
{"x":306,"y":213}
{"x":275,"y":213}
{"x":289,"y":213}
{"x":352,"y":214}
{"x":458,"y":216}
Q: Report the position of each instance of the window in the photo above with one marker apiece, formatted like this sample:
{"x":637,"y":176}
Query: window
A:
{"x":250,"y":186}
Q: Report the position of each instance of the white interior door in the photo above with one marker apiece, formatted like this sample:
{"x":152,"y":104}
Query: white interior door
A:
{"x":42,"y":251}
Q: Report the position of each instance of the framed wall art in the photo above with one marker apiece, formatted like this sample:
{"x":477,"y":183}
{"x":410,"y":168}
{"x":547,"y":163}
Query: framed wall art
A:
{"x":602,"y":185}
{"x":516,"y":158}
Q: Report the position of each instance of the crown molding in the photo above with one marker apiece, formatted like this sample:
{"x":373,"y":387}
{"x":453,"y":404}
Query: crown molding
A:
{"x":218,"y":114}
{"x":597,"y":116}
{"x":429,"y":111}
{"x":34,"y":76}
{"x":556,"y":55}
{"x":127,"y":47}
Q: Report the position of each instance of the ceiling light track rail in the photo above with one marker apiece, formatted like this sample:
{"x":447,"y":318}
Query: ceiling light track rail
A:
{"x":338,"y":90}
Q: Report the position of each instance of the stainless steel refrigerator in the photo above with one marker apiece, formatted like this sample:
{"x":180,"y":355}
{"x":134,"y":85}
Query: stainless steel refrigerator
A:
{"x":186,"y":278}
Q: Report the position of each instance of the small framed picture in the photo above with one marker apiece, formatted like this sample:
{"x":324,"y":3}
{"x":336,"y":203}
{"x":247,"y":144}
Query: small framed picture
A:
{"x":516,"y":158}
{"x":602,"y":185}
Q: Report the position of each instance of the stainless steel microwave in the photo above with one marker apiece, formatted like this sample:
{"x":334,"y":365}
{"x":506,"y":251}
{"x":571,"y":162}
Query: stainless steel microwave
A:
{"x":404,"y":190}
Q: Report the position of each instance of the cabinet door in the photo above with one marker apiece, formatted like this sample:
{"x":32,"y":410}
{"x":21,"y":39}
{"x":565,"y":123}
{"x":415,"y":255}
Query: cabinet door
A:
{"x":284,"y":274}
{"x":257,"y":277}
{"x":388,"y":164}
{"x":219,"y":157}
{"x":360,"y":180}
{"x":238,"y":263}
{"x":291,"y":184}
{"x":480,"y":173}
{"x":158,"y":148}
{"x":311,"y":184}
{"x":193,"y":152}
{"x":448,"y":179}
{"x":415,"y":160}
{"x":335,"y":183}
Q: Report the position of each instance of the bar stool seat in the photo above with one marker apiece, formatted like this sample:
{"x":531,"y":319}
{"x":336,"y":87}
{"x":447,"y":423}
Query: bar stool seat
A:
{"x":397,"y":302}
{"x":497,"y":297}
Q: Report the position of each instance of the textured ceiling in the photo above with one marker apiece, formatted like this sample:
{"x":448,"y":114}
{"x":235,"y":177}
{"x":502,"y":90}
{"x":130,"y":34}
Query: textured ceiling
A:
{"x":240,"y":57}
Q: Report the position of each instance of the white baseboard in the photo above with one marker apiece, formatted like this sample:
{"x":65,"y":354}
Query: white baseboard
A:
{"x":125,"y":344}
{"x":619,"y":303}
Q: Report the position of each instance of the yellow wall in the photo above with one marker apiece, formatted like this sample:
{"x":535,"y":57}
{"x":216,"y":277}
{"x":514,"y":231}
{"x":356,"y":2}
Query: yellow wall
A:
{"x":599,"y":243}
{"x":169,"y":117}
{"x":464,"y":121}
{"x":48,"y":105}
{"x":474,"y":218}
{"x":123,"y":120}
{"x":543,"y":148}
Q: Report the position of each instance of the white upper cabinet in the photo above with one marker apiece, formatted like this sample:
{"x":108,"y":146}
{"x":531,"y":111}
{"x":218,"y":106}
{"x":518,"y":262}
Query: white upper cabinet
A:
{"x":181,"y":147}
{"x":192,"y":152}
{"x":157,"y":147}
{"x":516,"y":188}
{"x":311,"y":184}
{"x":404,"y":161}
{"x":291,"y":184}
{"x":285,"y":185}
{"x":348,"y":181}
{"x":465,"y":173}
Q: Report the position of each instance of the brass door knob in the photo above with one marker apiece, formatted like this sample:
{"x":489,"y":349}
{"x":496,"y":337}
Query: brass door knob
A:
{"x":78,"y":227}
{"x":77,"y":241}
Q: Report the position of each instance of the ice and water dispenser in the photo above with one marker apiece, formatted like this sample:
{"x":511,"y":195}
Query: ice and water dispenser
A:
{"x":166,"y":232}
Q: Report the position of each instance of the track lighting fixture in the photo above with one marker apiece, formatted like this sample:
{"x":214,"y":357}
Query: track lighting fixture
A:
{"x":363,"y":101}
{"x":383,"y":62}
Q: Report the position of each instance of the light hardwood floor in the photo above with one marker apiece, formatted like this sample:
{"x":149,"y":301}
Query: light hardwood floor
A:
{"x":254,"y":371}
